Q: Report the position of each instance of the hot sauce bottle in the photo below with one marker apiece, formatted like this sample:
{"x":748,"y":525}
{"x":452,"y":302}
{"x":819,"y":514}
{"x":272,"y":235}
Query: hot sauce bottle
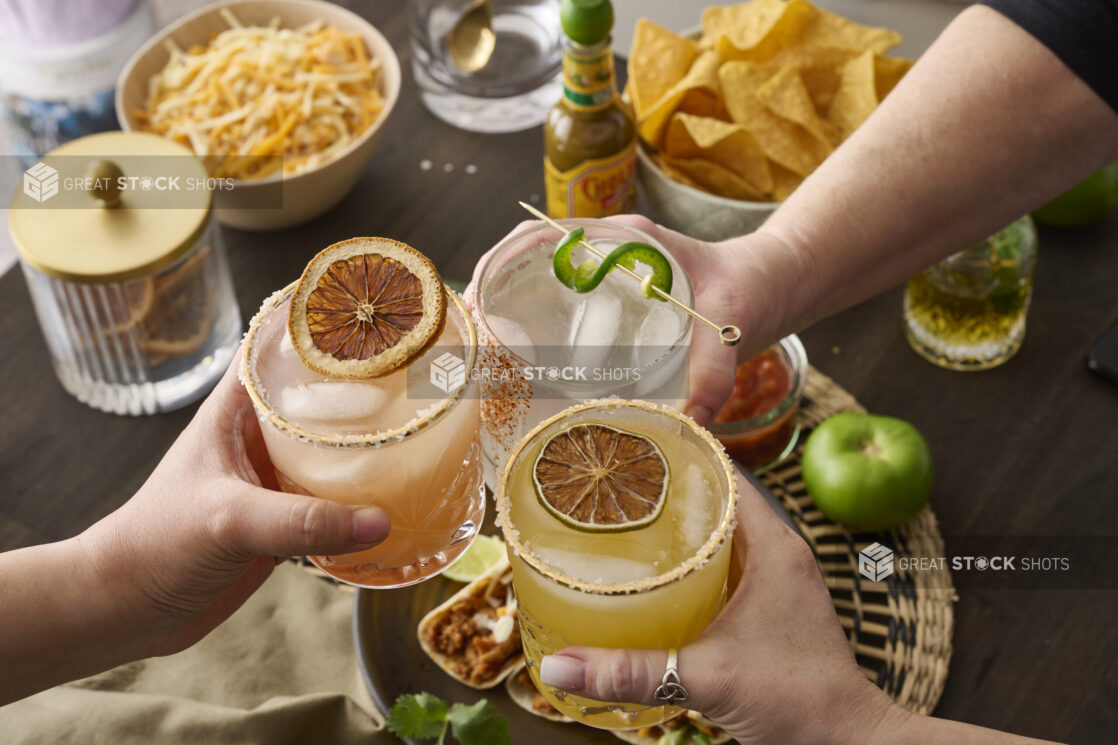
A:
{"x":590,"y":141}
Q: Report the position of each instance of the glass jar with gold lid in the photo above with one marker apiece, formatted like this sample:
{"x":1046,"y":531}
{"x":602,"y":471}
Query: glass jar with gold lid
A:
{"x":126,"y":271}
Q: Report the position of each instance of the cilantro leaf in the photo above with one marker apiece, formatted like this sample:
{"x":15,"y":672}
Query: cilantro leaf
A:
{"x":421,"y":715}
{"x":478,"y":724}
{"x":675,"y":737}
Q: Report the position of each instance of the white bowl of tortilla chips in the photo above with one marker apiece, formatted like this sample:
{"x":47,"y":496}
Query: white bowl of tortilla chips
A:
{"x":733,"y":116}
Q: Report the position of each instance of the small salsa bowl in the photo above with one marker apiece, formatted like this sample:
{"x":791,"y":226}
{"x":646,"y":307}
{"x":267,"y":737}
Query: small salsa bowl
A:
{"x":759,"y":424}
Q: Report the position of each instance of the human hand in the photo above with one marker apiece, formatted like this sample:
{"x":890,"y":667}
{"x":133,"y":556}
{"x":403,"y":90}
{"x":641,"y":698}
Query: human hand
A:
{"x":773,"y":667}
{"x":206,"y":529}
{"x":729,"y":289}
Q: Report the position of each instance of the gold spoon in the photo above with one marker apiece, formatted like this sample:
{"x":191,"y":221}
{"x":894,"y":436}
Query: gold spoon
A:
{"x":471,"y":41}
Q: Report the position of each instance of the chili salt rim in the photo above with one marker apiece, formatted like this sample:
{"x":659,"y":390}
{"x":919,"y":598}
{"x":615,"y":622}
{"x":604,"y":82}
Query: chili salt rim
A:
{"x":719,"y":536}
{"x":255,"y":387}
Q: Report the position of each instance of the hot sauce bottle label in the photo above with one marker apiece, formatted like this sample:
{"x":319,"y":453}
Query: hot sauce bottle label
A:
{"x":594,"y":188}
{"x":588,"y":82}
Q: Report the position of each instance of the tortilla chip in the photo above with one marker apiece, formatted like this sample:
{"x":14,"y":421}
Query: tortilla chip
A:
{"x":658,"y":60}
{"x":774,"y":27}
{"x":831,"y":30}
{"x":856,"y":97}
{"x":859,"y":91}
{"x":819,"y":67}
{"x":773,"y":87}
{"x":888,"y":71}
{"x":800,"y":25}
{"x":785,"y":95}
{"x":782,"y":140}
{"x":710,"y":177}
{"x":729,"y":145}
{"x":784,"y":183}
{"x":748,"y":23}
{"x":693,"y":93}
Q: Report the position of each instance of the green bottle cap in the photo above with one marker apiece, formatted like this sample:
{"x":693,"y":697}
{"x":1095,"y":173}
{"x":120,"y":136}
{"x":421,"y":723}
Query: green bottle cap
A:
{"x":586,"y":22}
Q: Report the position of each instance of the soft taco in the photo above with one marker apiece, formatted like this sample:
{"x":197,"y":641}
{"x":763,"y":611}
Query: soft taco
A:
{"x":523,"y":692}
{"x":686,"y":728}
{"x":474,"y":636}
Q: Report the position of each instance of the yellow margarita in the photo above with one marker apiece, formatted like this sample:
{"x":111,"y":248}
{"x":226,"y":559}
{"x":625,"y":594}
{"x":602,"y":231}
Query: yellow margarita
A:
{"x":646,"y":567}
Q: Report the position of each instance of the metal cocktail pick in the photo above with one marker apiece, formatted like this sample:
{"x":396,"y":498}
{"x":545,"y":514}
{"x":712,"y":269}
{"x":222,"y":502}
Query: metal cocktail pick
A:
{"x":728,"y":335}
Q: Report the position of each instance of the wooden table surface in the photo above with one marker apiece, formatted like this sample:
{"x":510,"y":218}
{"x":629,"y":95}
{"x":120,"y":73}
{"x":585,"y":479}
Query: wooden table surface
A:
{"x":1025,"y":450}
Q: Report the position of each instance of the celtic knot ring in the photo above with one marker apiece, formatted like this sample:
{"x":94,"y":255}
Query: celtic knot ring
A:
{"x":671,"y":690}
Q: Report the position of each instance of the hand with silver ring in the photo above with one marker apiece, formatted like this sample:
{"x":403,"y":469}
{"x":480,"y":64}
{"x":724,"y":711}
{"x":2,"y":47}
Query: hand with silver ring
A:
{"x":773,"y":667}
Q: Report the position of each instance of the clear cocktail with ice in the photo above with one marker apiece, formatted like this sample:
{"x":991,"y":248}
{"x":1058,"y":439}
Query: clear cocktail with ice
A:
{"x":544,"y":347}
{"x":375,"y":442}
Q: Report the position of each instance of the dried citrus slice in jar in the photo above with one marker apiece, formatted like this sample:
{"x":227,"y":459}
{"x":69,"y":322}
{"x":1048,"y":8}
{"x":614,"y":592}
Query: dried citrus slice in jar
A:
{"x":365,"y":307}
{"x":596,"y":478}
{"x":181,"y":319}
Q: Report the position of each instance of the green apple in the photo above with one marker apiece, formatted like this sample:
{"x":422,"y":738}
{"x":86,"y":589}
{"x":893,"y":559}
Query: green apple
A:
{"x":1089,"y":201}
{"x":869,"y":473}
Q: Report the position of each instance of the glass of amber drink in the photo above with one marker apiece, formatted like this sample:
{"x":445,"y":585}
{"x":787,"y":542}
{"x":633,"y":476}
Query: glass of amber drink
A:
{"x":369,"y":440}
{"x":618,"y":517}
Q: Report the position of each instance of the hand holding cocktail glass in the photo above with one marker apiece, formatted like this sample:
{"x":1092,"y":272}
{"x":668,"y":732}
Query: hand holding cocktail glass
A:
{"x":775,"y":647}
{"x":719,"y":294}
{"x":172,"y":563}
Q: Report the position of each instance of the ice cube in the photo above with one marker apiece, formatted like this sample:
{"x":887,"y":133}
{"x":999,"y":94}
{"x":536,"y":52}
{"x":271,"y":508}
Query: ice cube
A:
{"x":596,"y":568}
{"x":595,"y":329}
{"x":514,"y":336}
{"x":334,"y":401}
{"x":696,"y":513}
{"x":657,"y":332}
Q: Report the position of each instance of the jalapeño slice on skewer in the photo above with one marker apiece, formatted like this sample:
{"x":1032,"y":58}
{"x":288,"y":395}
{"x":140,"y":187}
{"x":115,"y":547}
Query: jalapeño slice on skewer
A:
{"x":589,"y":274}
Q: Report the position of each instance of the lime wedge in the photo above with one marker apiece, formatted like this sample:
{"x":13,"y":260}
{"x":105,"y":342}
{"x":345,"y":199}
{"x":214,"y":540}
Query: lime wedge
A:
{"x":482,"y":555}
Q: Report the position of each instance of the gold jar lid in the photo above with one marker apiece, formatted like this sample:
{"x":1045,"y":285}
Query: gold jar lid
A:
{"x":110,"y":207}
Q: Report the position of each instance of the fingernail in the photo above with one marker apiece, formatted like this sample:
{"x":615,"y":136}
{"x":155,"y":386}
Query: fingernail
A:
{"x":700,"y":414}
{"x":567,"y":673}
{"x":370,"y":525}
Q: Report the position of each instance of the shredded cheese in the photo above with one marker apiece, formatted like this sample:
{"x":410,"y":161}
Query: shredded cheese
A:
{"x":303,"y":94}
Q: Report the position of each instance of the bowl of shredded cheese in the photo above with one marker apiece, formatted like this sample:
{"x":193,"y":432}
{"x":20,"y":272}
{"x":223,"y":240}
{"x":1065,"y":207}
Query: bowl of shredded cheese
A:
{"x":284,"y":100}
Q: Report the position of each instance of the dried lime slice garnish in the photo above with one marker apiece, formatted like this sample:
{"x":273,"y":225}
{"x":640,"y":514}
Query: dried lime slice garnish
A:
{"x":595,"y":478}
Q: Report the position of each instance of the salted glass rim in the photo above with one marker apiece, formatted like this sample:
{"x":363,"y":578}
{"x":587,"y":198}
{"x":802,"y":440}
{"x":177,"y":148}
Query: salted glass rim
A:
{"x":488,"y":265}
{"x":719,"y":536}
{"x":255,"y":387}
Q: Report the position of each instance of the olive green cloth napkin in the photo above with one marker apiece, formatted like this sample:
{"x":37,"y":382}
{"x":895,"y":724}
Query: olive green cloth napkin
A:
{"x":281,"y":670}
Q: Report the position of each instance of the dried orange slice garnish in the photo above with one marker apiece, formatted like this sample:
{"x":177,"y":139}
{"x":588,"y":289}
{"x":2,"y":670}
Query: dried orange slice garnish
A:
{"x":601,"y":479}
{"x":365,"y":307}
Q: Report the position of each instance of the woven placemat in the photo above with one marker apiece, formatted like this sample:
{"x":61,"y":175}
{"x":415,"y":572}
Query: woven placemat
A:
{"x":900,"y":627}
